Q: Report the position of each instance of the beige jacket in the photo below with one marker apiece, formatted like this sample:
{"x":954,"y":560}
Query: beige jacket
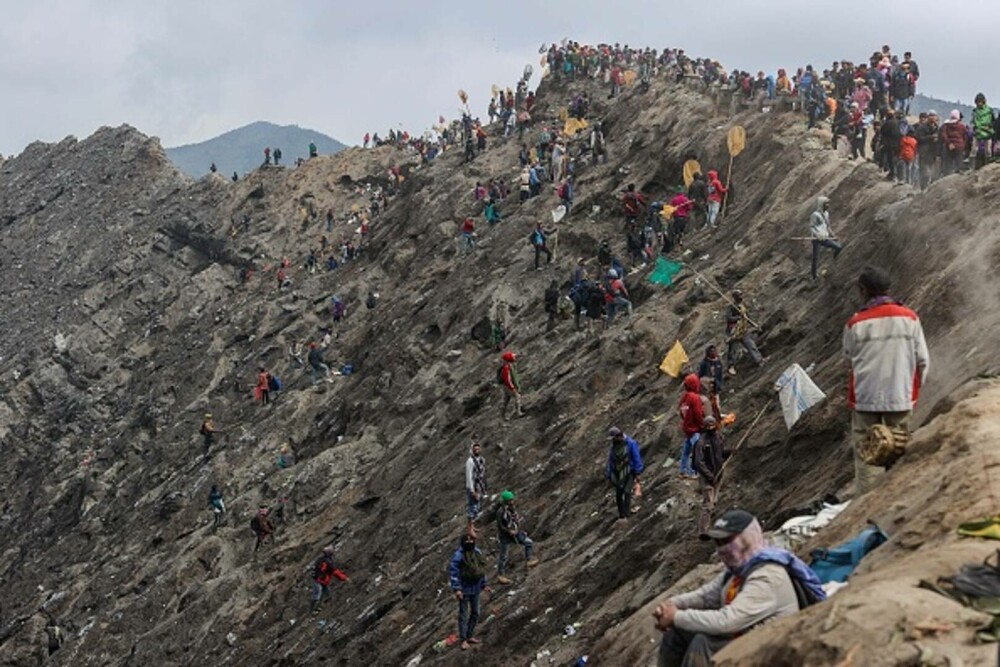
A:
{"x":766,"y":594}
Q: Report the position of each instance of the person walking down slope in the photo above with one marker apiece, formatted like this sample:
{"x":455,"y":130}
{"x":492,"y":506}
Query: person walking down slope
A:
{"x":738,"y":333}
{"x":511,"y":384}
{"x":760,"y":583}
{"x":692,"y":414}
{"x":262,"y":527}
{"x":323,"y":573}
{"x":316,"y":363}
{"x":885,"y":347}
{"x":623,"y":469}
{"x":467,"y":575}
{"x":822,"y":234}
{"x":218,"y":506}
{"x":509,"y":532}
{"x":538,"y":240}
{"x":475,"y":482}
{"x":709,"y":456}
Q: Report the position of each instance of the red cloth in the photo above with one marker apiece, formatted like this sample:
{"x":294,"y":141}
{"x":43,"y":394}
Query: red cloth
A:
{"x":716,"y":185}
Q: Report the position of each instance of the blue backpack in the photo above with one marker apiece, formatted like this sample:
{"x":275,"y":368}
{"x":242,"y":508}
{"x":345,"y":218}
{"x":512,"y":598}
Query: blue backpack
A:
{"x":838,"y":563}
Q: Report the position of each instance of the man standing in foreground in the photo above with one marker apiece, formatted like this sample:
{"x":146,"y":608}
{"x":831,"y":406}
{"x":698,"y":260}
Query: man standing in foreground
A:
{"x":885,"y":348}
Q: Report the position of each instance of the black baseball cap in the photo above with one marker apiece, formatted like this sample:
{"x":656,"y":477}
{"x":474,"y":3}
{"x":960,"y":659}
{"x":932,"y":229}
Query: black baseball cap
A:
{"x":731,"y":523}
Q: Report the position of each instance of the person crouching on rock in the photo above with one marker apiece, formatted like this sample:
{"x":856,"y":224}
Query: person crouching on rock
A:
{"x":760,"y":583}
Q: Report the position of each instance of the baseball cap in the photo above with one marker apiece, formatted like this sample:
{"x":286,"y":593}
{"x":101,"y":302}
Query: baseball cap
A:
{"x":730,"y":523}
{"x":614,"y":432}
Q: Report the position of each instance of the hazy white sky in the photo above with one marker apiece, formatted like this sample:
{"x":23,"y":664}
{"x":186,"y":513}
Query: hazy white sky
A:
{"x":186,"y":71}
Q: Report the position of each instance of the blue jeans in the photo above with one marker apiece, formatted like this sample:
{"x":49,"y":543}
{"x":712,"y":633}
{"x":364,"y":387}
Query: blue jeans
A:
{"x":692,"y":440}
{"x":319,"y":590}
{"x":468,"y":615}
{"x":614,"y":305}
{"x":823,"y":243}
{"x":713,"y":212}
{"x":473,"y":506}
{"x":314,"y":369}
{"x":505,"y":542}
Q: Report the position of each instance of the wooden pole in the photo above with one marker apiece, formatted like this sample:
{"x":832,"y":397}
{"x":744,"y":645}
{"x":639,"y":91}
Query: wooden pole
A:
{"x":729,"y":179}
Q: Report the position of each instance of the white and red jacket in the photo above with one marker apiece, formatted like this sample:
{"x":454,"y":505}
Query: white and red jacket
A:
{"x":885,"y":346}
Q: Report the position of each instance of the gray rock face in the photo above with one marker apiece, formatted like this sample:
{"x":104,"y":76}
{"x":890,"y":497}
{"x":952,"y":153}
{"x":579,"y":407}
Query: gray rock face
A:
{"x":126,"y":319}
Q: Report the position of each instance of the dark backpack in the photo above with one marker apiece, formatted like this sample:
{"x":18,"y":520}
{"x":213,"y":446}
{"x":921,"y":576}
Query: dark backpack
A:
{"x":473,"y":567}
{"x":255,"y":525}
{"x":273,"y":383}
{"x":500,"y":376}
{"x":620,"y":462}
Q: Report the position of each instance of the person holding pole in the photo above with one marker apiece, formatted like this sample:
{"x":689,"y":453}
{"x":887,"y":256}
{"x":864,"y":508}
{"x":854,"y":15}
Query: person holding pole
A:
{"x":738,"y":332}
{"x":822,"y":234}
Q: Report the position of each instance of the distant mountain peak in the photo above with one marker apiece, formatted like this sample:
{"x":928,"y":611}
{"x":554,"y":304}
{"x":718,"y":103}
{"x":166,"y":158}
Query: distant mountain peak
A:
{"x":241,"y":150}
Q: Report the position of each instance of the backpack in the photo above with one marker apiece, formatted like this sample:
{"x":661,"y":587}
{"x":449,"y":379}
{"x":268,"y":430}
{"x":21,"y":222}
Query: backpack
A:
{"x":620,"y":461}
{"x":255,"y":525}
{"x":274,"y":384}
{"x":804,"y":580}
{"x":473,"y":568}
{"x":838,"y":563}
{"x":500,"y":377}
{"x":561,"y":191}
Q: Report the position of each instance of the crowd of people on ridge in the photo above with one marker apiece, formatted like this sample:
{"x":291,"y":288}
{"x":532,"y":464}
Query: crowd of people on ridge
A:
{"x":759,"y":582}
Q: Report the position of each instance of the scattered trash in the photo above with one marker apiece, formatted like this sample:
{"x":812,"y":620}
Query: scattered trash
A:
{"x":544,"y":653}
{"x":415,"y":660}
{"x":569,"y":631}
{"x":669,"y":462}
{"x":582,"y":661}
{"x":665,"y":506}
{"x":231,"y":639}
{"x":291,"y":621}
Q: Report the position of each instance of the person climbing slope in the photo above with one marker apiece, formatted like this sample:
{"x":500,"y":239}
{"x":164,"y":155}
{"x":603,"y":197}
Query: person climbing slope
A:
{"x":709,"y":456}
{"x":208,"y":432}
{"x":692,"y":414}
{"x":623,"y":469}
{"x":821,"y":233}
{"x":262,"y":527}
{"x":539,"y":237}
{"x":738,"y":332}
{"x":218,"y":506}
{"x":510,"y":383}
{"x":509,"y":532}
{"x":323,"y":573}
{"x":715,"y":191}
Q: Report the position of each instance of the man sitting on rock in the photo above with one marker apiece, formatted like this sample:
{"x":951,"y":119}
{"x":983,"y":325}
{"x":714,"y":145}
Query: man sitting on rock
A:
{"x":760,"y":583}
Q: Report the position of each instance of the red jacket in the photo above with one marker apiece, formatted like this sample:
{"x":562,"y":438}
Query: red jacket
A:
{"x":715,"y":187}
{"x":507,"y":375}
{"x":692,"y":413}
{"x":468,"y":226}
{"x":324,"y":571}
{"x":682,"y":205}
{"x":632,"y":203}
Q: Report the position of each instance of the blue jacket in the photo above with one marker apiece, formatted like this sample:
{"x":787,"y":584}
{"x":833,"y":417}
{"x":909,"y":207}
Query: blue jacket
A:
{"x":455,"y":575}
{"x":634,"y":459}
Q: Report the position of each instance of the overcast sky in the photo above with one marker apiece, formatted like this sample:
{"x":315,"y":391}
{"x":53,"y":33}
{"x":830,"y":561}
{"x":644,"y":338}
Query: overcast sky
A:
{"x":186,"y":71}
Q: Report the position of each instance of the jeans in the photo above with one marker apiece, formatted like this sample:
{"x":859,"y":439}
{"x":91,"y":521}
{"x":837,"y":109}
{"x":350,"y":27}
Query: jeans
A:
{"x":318,"y":591}
{"x":470,"y":242}
{"x":539,"y":249}
{"x":615,"y":304}
{"x":313,"y":370}
{"x":468,"y":615}
{"x":709,"y":496}
{"x":689,"y":443}
{"x":713,"y":212}
{"x":681,"y":648}
{"x":472,"y":509}
{"x":506,"y":541}
{"x":823,"y":243}
{"x":867,"y":476}
{"x":623,"y":496}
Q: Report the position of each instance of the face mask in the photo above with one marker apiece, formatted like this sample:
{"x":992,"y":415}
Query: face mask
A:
{"x":468,"y":546}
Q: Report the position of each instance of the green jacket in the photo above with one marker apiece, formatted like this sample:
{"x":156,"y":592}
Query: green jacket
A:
{"x":982,"y":122}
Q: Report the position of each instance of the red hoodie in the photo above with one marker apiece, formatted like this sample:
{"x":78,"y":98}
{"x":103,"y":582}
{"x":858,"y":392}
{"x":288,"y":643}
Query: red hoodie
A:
{"x":692,"y":413}
{"x":715,"y":187}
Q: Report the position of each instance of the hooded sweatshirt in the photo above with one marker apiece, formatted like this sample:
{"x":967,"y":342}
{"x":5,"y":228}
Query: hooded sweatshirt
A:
{"x":715,"y":187}
{"x":692,"y":413}
{"x":820,"y":221}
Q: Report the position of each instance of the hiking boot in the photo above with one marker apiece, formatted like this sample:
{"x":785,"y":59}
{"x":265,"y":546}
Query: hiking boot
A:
{"x":531,"y":563}
{"x":503,"y":580}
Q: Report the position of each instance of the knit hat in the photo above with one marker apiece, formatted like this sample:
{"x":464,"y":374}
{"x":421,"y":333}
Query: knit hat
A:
{"x":955,"y":115}
{"x":507,"y":496}
{"x":509,"y":356}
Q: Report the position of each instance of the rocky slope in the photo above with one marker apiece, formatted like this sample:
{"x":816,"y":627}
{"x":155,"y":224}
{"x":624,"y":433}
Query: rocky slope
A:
{"x":126,"y":320}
